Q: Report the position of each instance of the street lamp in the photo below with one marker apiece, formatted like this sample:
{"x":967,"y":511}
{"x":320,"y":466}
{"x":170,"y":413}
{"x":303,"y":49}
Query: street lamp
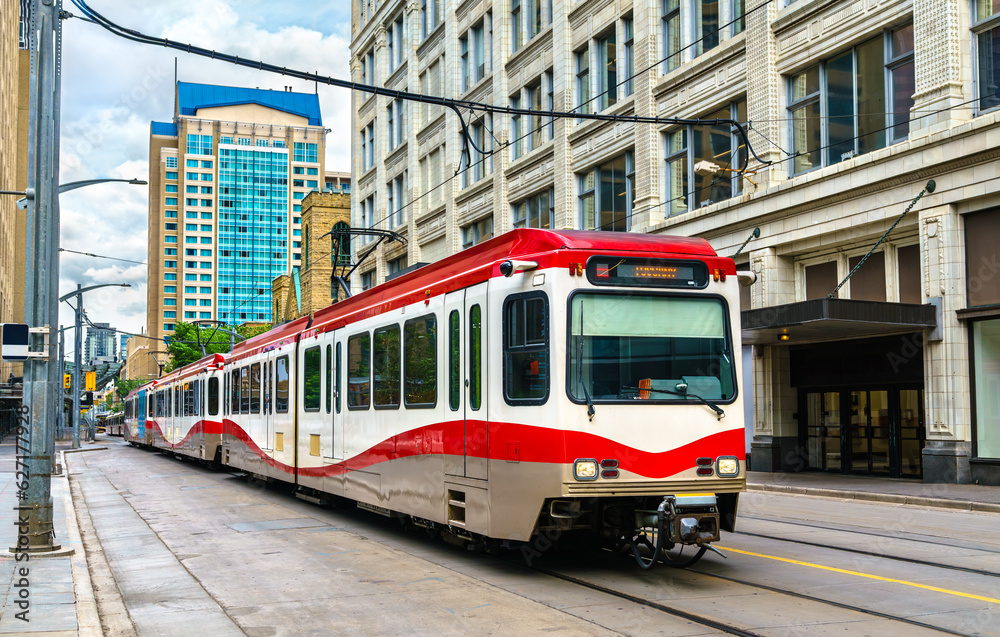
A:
{"x":29,"y":194}
{"x":77,"y":347}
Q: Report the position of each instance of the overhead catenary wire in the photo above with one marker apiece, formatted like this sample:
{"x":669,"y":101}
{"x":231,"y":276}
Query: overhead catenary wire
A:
{"x":101,"y":256}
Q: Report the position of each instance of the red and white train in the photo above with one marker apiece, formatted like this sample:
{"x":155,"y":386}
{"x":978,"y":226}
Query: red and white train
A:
{"x":541,"y":384}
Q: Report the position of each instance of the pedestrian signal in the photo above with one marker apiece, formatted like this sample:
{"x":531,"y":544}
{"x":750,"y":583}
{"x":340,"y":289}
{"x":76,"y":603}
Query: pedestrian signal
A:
{"x":14,"y":342}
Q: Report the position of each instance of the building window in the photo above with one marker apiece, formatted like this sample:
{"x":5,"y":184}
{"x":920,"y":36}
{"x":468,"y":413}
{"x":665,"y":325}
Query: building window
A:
{"x":606,"y":194}
{"x":170,"y":264}
{"x":368,"y":280}
{"x":736,"y":10}
{"x":170,"y":289}
{"x":515,"y":129}
{"x":473,"y":48}
{"x":706,"y":25}
{"x":305,"y":152}
{"x":850,"y":102}
{"x":986,"y":30}
{"x":477,"y":232}
{"x":628,"y":29}
{"x":430,"y":16}
{"x":395,"y":43}
{"x":395,"y":265}
{"x":430,"y":176}
{"x":367,"y":149}
{"x":396,"y":202}
{"x":985,"y":363}
{"x":982,"y":236}
{"x":699,"y":161}
{"x":671,"y":34}
{"x":536,"y":211}
{"x":583,"y":81}
{"x":481,"y":154}
{"x":396,"y":123}
{"x":169,"y":277}
{"x":170,"y":188}
{"x":431,"y":81}
{"x":199,"y":145}
{"x":534,"y":95}
{"x":367,"y":71}
{"x":171,"y":162}
{"x":550,"y":102}
{"x":516,"y":37}
{"x":607,"y":78}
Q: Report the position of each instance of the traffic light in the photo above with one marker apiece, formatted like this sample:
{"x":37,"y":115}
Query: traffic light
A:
{"x":67,"y":381}
{"x":90,"y":384}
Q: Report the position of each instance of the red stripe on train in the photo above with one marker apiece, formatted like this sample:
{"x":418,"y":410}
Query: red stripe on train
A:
{"x":534,"y":444}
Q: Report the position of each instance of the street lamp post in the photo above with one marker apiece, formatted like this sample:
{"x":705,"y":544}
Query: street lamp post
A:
{"x":78,"y":345}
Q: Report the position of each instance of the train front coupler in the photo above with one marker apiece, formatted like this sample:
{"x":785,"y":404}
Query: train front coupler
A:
{"x":679,"y":523}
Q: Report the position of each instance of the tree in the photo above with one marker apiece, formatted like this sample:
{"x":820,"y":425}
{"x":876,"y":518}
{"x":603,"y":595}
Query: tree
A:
{"x":124,"y":386}
{"x":184,"y":348}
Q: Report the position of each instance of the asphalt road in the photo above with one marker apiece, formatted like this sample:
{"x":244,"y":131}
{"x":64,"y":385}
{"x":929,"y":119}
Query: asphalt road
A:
{"x":193,"y":549}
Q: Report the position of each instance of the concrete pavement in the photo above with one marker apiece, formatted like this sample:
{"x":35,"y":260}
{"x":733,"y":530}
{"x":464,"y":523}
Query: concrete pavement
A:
{"x":145,"y":571}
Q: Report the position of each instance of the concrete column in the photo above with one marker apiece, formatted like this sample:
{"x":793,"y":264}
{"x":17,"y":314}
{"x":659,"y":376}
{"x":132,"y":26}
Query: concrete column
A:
{"x":947,"y":406}
{"x":764,"y":90}
{"x":941,"y":61}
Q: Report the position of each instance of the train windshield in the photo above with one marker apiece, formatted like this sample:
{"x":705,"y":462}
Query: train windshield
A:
{"x":652,"y":348}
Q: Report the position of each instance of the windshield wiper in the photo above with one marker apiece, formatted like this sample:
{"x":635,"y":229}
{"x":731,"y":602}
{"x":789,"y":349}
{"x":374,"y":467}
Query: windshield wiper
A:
{"x":704,"y":401}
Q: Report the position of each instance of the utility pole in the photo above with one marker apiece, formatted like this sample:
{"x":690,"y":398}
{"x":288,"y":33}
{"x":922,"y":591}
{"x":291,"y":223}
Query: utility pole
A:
{"x":42,"y":390}
{"x":77,"y":361}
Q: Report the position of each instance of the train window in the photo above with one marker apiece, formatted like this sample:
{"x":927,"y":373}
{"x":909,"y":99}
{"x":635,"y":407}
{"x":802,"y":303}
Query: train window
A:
{"x":475,"y":357}
{"x":385,"y":366}
{"x":188,"y":399}
{"x":648,"y":347}
{"x":255,"y":388}
{"x":245,"y":390}
{"x":526,"y":349}
{"x":454,"y":360}
{"x":420,"y":361}
{"x":337,"y":371}
{"x":267,"y":387}
{"x":234,"y":392}
{"x":329,"y":378}
{"x":311,"y":380}
{"x":358,"y":371}
{"x":213,"y":396}
{"x":281,"y":387}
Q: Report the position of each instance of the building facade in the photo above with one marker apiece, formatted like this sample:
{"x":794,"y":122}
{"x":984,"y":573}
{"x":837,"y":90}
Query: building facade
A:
{"x":14,"y":73}
{"x":850,"y":108}
{"x":99,"y":344}
{"x":227,"y":179}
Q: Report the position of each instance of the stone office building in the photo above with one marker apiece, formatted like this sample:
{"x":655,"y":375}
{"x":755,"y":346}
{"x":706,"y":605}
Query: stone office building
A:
{"x":850,"y":106}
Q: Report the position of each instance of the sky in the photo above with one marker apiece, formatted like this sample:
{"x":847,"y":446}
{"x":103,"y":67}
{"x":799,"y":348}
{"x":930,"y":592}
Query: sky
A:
{"x":113,"y":88}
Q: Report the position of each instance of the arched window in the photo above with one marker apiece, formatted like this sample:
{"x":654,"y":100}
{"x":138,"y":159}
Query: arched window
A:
{"x":341,"y":253}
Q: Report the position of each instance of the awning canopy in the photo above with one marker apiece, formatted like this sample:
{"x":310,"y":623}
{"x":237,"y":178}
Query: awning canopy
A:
{"x":833,"y":319}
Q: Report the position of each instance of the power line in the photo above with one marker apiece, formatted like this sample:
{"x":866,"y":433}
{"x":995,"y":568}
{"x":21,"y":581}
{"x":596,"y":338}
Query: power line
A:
{"x":101,"y":256}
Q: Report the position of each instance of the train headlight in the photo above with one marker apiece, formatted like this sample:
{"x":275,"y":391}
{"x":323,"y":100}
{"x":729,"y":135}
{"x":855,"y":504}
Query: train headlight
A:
{"x":585,"y":469}
{"x":727,"y":466}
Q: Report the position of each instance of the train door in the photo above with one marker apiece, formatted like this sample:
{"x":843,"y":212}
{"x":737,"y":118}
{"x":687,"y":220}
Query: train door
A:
{"x":140,"y":416}
{"x":467,"y":396}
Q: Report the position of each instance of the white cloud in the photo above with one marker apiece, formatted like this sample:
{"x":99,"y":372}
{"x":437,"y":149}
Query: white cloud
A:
{"x":113,"y":88}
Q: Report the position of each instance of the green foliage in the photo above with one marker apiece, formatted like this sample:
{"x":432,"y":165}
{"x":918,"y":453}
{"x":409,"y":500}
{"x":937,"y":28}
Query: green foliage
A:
{"x":184,"y":346}
{"x":123,"y":387}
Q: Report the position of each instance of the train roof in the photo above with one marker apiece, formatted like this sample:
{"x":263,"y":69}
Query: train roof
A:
{"x":481,"y":262}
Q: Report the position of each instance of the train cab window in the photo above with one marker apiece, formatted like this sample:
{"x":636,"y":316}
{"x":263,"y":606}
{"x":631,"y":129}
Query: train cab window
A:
{"x":255,"y":388}
{"x":337,"y":371}
{"x":454,"y":360}
{"x":311,"y":380}
{"x":329,"y":378}
{"x":245,"y":390}
{"x":281,"y":386}
{"x":420,"y":361}
{"x":648,"y":347}
{"x":475,"y":357}
{"x":526,"y":349}
{"x":358,"y":371}
{"x":213,"y":396}
{"x":385,"y":367}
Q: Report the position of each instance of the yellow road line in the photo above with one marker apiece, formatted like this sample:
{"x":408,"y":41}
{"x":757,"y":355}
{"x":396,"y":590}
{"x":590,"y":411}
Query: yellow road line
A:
{"x":876,"y":577}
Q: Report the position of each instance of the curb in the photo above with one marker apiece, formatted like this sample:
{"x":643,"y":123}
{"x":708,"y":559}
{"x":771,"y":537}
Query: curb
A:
{"x":88,"y":618}
{"x":890,"y":498}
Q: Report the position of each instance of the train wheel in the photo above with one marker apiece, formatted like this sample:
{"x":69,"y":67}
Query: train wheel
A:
{"x":681,"y":555}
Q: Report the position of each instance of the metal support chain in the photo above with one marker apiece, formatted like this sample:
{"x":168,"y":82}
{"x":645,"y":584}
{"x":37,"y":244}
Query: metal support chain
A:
{"x":929,"y":188}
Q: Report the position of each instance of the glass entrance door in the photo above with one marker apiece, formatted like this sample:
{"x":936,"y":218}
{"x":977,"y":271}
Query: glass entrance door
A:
{"x":823,"y":430}
{"x":911,"y":432}
{"x":871,"y":425}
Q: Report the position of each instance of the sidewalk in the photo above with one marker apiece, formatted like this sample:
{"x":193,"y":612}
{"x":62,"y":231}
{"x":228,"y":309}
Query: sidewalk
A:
{"x":60,"y":600}
{"x":965,"y":497}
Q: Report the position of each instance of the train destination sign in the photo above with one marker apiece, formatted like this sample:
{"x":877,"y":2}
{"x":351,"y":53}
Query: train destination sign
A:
{"x":647,"y":272}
